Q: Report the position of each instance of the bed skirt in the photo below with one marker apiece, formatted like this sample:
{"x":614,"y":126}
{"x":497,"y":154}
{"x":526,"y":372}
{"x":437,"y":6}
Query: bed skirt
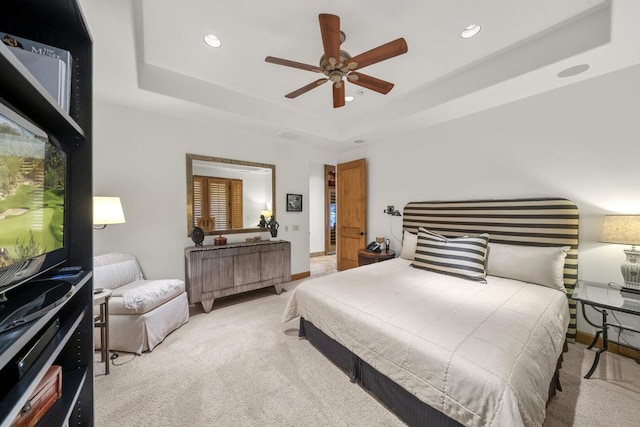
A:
{"x":402,"y":403}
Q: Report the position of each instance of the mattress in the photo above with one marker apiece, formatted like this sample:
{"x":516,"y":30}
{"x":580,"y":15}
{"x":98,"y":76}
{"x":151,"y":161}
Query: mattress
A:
{"x":482,"y":354}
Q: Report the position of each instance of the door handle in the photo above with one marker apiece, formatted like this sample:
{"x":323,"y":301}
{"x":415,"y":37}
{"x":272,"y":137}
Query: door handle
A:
{"x":361,"y":233}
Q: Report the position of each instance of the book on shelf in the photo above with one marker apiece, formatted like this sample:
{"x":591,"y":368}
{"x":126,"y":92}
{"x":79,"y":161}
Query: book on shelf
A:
{"x":50,"y":72}
{"x":58,"y":61}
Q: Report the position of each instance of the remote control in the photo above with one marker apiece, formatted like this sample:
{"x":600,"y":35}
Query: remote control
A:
{"x":71,"y":269}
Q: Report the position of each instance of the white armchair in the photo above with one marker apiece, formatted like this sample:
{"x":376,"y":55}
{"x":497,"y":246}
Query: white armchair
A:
{"x":141,"y":312}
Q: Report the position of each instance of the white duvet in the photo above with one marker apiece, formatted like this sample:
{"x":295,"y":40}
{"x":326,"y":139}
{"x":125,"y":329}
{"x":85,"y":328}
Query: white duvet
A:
{"x":483,"y":354}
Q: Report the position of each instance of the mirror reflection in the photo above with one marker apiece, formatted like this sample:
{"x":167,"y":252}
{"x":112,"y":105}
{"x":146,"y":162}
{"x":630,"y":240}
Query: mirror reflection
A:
{"x":227,"y":196}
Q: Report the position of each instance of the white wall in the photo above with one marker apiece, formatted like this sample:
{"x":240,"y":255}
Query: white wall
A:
{"x":140,"y":157}
{"x":316,"y":207}
{"x":581,"y":142}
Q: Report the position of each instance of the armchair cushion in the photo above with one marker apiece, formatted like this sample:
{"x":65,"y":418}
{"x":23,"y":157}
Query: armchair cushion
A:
{"x":142,"y":296}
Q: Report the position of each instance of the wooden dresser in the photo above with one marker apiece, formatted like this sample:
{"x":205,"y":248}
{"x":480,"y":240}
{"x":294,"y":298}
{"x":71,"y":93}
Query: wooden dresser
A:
{"x":217,"y":271}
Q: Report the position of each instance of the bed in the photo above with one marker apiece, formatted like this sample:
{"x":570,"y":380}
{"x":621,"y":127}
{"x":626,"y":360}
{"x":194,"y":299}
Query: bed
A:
{"x":440,"y":343}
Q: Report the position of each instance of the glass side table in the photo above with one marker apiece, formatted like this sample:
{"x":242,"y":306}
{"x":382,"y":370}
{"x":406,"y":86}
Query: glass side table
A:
{"x":605,"y":299}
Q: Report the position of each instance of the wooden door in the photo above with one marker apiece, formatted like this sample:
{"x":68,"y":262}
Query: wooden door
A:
{"x":351,"y":188}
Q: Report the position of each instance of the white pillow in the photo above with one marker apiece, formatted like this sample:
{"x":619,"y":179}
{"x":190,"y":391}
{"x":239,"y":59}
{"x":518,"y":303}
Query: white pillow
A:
{"x":534,"y":264}
{"x":409,"y":243}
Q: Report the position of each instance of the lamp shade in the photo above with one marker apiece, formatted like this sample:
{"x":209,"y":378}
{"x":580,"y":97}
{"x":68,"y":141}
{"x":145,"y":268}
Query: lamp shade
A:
{"x":621,"y":229}
{"x":107,"y":210}
{"x":266,"y":213}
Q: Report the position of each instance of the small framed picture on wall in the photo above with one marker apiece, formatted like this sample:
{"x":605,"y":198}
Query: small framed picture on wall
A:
{"x":294,"y":202}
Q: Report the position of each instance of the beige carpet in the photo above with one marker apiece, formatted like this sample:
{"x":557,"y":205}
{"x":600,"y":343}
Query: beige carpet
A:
{"x":240,"y":366}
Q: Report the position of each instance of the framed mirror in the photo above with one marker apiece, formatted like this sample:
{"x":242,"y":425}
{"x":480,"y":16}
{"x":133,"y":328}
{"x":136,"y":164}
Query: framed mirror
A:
{"x":226,"y":196}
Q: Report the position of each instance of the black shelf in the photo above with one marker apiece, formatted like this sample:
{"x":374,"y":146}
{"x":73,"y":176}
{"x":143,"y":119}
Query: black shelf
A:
{"x":27,"y":94}
{"x":58,"y":23}
{"x":12,"y":341}
{"x":62,"y":16}
{"x":17,"y":397}
{"x":72,"y":383}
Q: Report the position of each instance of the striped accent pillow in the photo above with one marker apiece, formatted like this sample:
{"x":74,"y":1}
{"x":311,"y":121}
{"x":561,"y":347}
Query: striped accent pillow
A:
{"x":461,"y":257}
{"x":432,"y":233}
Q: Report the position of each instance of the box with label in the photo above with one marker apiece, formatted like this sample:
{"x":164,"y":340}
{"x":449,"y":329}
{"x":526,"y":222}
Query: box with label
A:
{"x":48,"y":391}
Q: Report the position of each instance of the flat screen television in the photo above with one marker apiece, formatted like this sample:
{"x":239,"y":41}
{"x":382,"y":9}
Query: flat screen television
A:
{"x":33,"y":174}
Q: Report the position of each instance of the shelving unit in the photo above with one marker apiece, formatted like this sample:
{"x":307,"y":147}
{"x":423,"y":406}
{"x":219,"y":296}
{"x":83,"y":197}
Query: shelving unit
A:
{"x":57,"y":23}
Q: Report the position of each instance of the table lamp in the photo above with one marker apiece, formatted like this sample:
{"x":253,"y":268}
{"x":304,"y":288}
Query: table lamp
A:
{"x":107,"y":210}
{"x":625,"y":230}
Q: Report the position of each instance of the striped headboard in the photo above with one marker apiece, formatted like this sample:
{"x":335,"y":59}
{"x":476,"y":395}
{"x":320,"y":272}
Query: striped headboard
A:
{"x":532,"y":222}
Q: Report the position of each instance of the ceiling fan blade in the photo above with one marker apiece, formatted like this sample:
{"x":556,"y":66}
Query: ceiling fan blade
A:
{"x":294,"y":64}
{"x":338,"y":94}
{"x":330,"y":30}
{"x":380,"y":53}
{"x":305,"y":89}
{"x":370,"y":82}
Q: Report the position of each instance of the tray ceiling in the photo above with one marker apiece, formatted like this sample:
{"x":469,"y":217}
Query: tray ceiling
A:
{"x":151,"y":55}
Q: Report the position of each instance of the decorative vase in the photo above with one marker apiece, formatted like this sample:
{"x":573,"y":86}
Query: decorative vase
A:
{"x":630,"y":269}
{"x":197,"y":235}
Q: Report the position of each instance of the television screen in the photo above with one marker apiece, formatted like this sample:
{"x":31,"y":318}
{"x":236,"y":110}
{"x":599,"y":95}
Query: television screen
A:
{"x":32,"y":200}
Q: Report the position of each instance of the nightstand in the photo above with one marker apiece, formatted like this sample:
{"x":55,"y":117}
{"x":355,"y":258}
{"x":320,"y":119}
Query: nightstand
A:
{"x":101,"y":321}
{"x":604,"y":299}
{"x":366,"y":257}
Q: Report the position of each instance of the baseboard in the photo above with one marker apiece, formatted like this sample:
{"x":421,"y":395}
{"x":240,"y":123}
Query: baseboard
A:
{"x":315,"y":254}
{"x":299,"y":276}
{"x":585,"y":338}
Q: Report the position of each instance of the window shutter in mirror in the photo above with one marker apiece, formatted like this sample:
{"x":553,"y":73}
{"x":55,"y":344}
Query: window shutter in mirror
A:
{"x":218,"y":202}
{"x":198,"y":201}
{"x":236,"y":203}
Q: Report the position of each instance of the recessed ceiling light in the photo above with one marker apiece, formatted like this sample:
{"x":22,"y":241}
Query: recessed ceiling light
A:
{"x":212,"y":40}
{"x":572,"y":71}
{"x":358,"y":141}
{"x":470,"y":31}
{"x":348,"y":98}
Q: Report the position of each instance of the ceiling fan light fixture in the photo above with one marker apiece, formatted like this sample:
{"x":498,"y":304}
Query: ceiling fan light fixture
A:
{"x":336,"y":76}
{"x":212,"y":40}
{"x":470,"y":31}
{"x":348,"y":98}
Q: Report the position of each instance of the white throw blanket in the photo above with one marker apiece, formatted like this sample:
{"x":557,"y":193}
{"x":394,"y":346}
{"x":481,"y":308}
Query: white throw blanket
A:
{"x":482,"y":354}
{"x":144,"y":293}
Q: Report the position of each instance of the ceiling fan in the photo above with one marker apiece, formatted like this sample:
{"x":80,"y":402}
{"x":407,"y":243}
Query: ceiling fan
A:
{"x":338,"y":65}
